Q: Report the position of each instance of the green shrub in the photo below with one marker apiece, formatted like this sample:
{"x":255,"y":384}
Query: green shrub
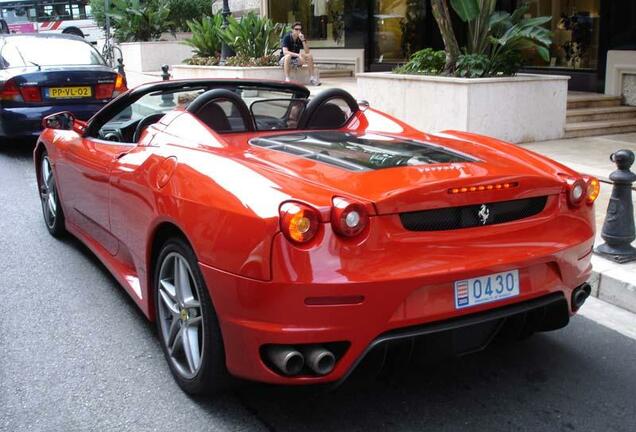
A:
{"x":202,"y":61}
{"x":426,"y":61}
{"x":206,"y":36}
{"x":473,"y":66}
{"x":243,"y":60}
{"x":253,"y":36}
{"x":141,"y":21}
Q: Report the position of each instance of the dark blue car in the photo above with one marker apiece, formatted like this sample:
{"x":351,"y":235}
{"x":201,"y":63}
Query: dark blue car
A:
{"x":45,"y":74}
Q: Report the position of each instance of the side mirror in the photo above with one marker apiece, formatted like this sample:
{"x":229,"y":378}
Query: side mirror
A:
{"x":363,"y":105}
{"x":62,"y":120}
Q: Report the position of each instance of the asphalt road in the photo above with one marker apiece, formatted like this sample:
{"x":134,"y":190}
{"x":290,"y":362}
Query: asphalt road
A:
{"x":77,"y":355}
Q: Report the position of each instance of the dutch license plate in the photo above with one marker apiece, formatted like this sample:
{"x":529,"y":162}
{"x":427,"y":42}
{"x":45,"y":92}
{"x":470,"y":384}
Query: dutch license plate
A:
{"x":486,"y":289}
{"x":69,"y":92}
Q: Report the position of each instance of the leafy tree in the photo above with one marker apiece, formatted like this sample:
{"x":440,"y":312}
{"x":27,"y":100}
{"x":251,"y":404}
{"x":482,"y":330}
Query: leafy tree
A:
{"x":442,"y":17}
{"x":182,"y":11}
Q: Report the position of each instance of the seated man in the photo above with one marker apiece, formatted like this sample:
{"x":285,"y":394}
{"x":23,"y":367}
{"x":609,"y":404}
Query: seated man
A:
{"x":291,"y":54}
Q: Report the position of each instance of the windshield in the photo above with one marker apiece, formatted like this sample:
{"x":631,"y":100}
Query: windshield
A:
{"x":36,"y":51}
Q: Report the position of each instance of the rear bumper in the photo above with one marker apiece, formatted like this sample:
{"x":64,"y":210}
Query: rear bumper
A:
{"x":253,"y":314}
{"x":27,"y":121}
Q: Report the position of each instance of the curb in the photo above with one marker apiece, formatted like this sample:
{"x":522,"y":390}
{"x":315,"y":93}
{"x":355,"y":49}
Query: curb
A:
{"x":614,"y":283}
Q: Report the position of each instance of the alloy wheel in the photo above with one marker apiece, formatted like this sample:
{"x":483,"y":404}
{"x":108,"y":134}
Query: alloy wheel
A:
{"x":180,"y":315}
{"x":48,"y":193}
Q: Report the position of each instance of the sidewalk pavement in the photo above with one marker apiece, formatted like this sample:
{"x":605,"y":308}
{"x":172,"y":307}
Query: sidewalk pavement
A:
{"x":611,"y":282}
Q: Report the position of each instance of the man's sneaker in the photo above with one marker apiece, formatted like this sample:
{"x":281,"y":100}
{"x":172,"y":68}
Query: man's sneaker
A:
{"x":315,"y":82}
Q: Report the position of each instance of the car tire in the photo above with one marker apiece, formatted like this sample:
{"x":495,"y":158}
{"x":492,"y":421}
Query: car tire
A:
{"x":50,"y":199}
{"x":186,"y":321}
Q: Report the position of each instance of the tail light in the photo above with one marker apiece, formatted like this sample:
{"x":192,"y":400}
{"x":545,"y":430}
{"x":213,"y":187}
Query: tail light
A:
{"x":593,"y":189}
{"x":10,"y":92}
{"x":577,"y":191}
{"x":298,"y":222}
{"x":31,"y":93}
{"x":348,"y":218}
{"x":104,"y":91}
{"x":111,"y":89}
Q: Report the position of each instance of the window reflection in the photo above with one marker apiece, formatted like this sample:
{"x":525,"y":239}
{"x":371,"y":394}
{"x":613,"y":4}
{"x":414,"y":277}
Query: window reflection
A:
{"x":399,"y":27}
{"x":323,"y":20}
{"x":575,"y":24}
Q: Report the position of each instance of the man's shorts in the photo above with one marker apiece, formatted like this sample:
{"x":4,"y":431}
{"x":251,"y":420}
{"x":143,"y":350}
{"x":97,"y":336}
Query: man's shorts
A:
{"x":295,"y":61}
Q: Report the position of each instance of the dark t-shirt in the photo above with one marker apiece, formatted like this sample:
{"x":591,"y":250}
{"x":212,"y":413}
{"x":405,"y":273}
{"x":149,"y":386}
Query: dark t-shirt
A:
{"x":292,"y":45}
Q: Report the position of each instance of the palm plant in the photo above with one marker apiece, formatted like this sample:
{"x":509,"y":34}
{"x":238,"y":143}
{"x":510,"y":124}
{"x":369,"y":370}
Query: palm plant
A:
{"x":509,"y":33}
{"x":206,"y":36}
{"x":498,"y":36}
{"x":253,"y":36}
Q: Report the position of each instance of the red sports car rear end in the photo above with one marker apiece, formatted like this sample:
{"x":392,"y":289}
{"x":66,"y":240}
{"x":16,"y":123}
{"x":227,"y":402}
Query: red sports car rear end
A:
{"x":458,"y":248}
{"x":284,"y":241}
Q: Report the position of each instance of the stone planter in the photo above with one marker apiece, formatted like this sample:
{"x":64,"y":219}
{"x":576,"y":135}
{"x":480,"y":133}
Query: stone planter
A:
{"x":517,"y":109}
{"x":273,"y":73}
{"x":150,"y":56}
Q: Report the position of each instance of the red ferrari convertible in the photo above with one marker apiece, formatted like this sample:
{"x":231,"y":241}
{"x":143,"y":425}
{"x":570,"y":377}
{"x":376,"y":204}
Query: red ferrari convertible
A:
{"x":283,"y":239}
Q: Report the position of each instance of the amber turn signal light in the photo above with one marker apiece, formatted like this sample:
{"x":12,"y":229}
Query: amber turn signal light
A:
{"x":593,"y":189}
{"x":298,"y":222}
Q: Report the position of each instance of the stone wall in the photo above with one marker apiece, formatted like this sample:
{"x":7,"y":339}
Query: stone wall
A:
{"x":238,"y":7}
{"x":629,"y":89}
{"x":620,"y":75}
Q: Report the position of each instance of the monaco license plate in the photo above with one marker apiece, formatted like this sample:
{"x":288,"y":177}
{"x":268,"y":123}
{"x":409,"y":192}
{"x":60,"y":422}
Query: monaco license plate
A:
{"x":68,"y":92}
{"x":486,"y":289}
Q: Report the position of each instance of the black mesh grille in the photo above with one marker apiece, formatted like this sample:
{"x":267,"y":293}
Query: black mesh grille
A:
{"x":473,"y":215}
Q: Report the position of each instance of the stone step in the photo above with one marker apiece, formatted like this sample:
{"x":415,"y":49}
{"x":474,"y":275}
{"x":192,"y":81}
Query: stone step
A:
{"x":593,"y":100}
{"x":602,"y":127}
{"x":335,"y":73}
{"x":579,"y":115}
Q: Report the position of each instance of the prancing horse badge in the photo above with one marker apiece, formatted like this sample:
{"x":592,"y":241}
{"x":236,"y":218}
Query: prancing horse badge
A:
{"x":484,"y":214}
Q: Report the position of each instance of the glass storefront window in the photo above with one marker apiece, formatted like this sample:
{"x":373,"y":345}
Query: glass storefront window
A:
{"x":323,"y":20}
{"x":575,"y":27}
{"x":398,"y":29}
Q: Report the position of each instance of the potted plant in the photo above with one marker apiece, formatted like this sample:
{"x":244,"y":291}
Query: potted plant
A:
{"x":255,"y":41}
{"x":477,"y":88}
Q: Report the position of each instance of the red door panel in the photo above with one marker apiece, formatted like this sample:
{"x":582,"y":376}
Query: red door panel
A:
{"x":86,"y":183}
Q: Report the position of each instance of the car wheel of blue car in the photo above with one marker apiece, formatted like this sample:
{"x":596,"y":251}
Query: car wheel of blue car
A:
{"x":51,"y":207}
{"x":186,"y":321}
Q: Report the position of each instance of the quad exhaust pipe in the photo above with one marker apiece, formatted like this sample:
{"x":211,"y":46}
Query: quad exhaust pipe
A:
{"x":286,"y":358}
{"x":320,"y":360}
{"x":291,"y":361}
{"x":579,"y":295}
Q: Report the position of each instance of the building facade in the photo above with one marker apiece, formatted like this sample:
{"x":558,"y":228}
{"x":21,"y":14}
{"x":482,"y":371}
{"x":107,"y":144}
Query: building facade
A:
{"x":390,"y":30}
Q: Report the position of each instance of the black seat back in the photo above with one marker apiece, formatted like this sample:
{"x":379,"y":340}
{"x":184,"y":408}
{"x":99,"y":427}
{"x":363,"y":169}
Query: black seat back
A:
{"x":206,"y":107}
{"x":321,"y":110}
